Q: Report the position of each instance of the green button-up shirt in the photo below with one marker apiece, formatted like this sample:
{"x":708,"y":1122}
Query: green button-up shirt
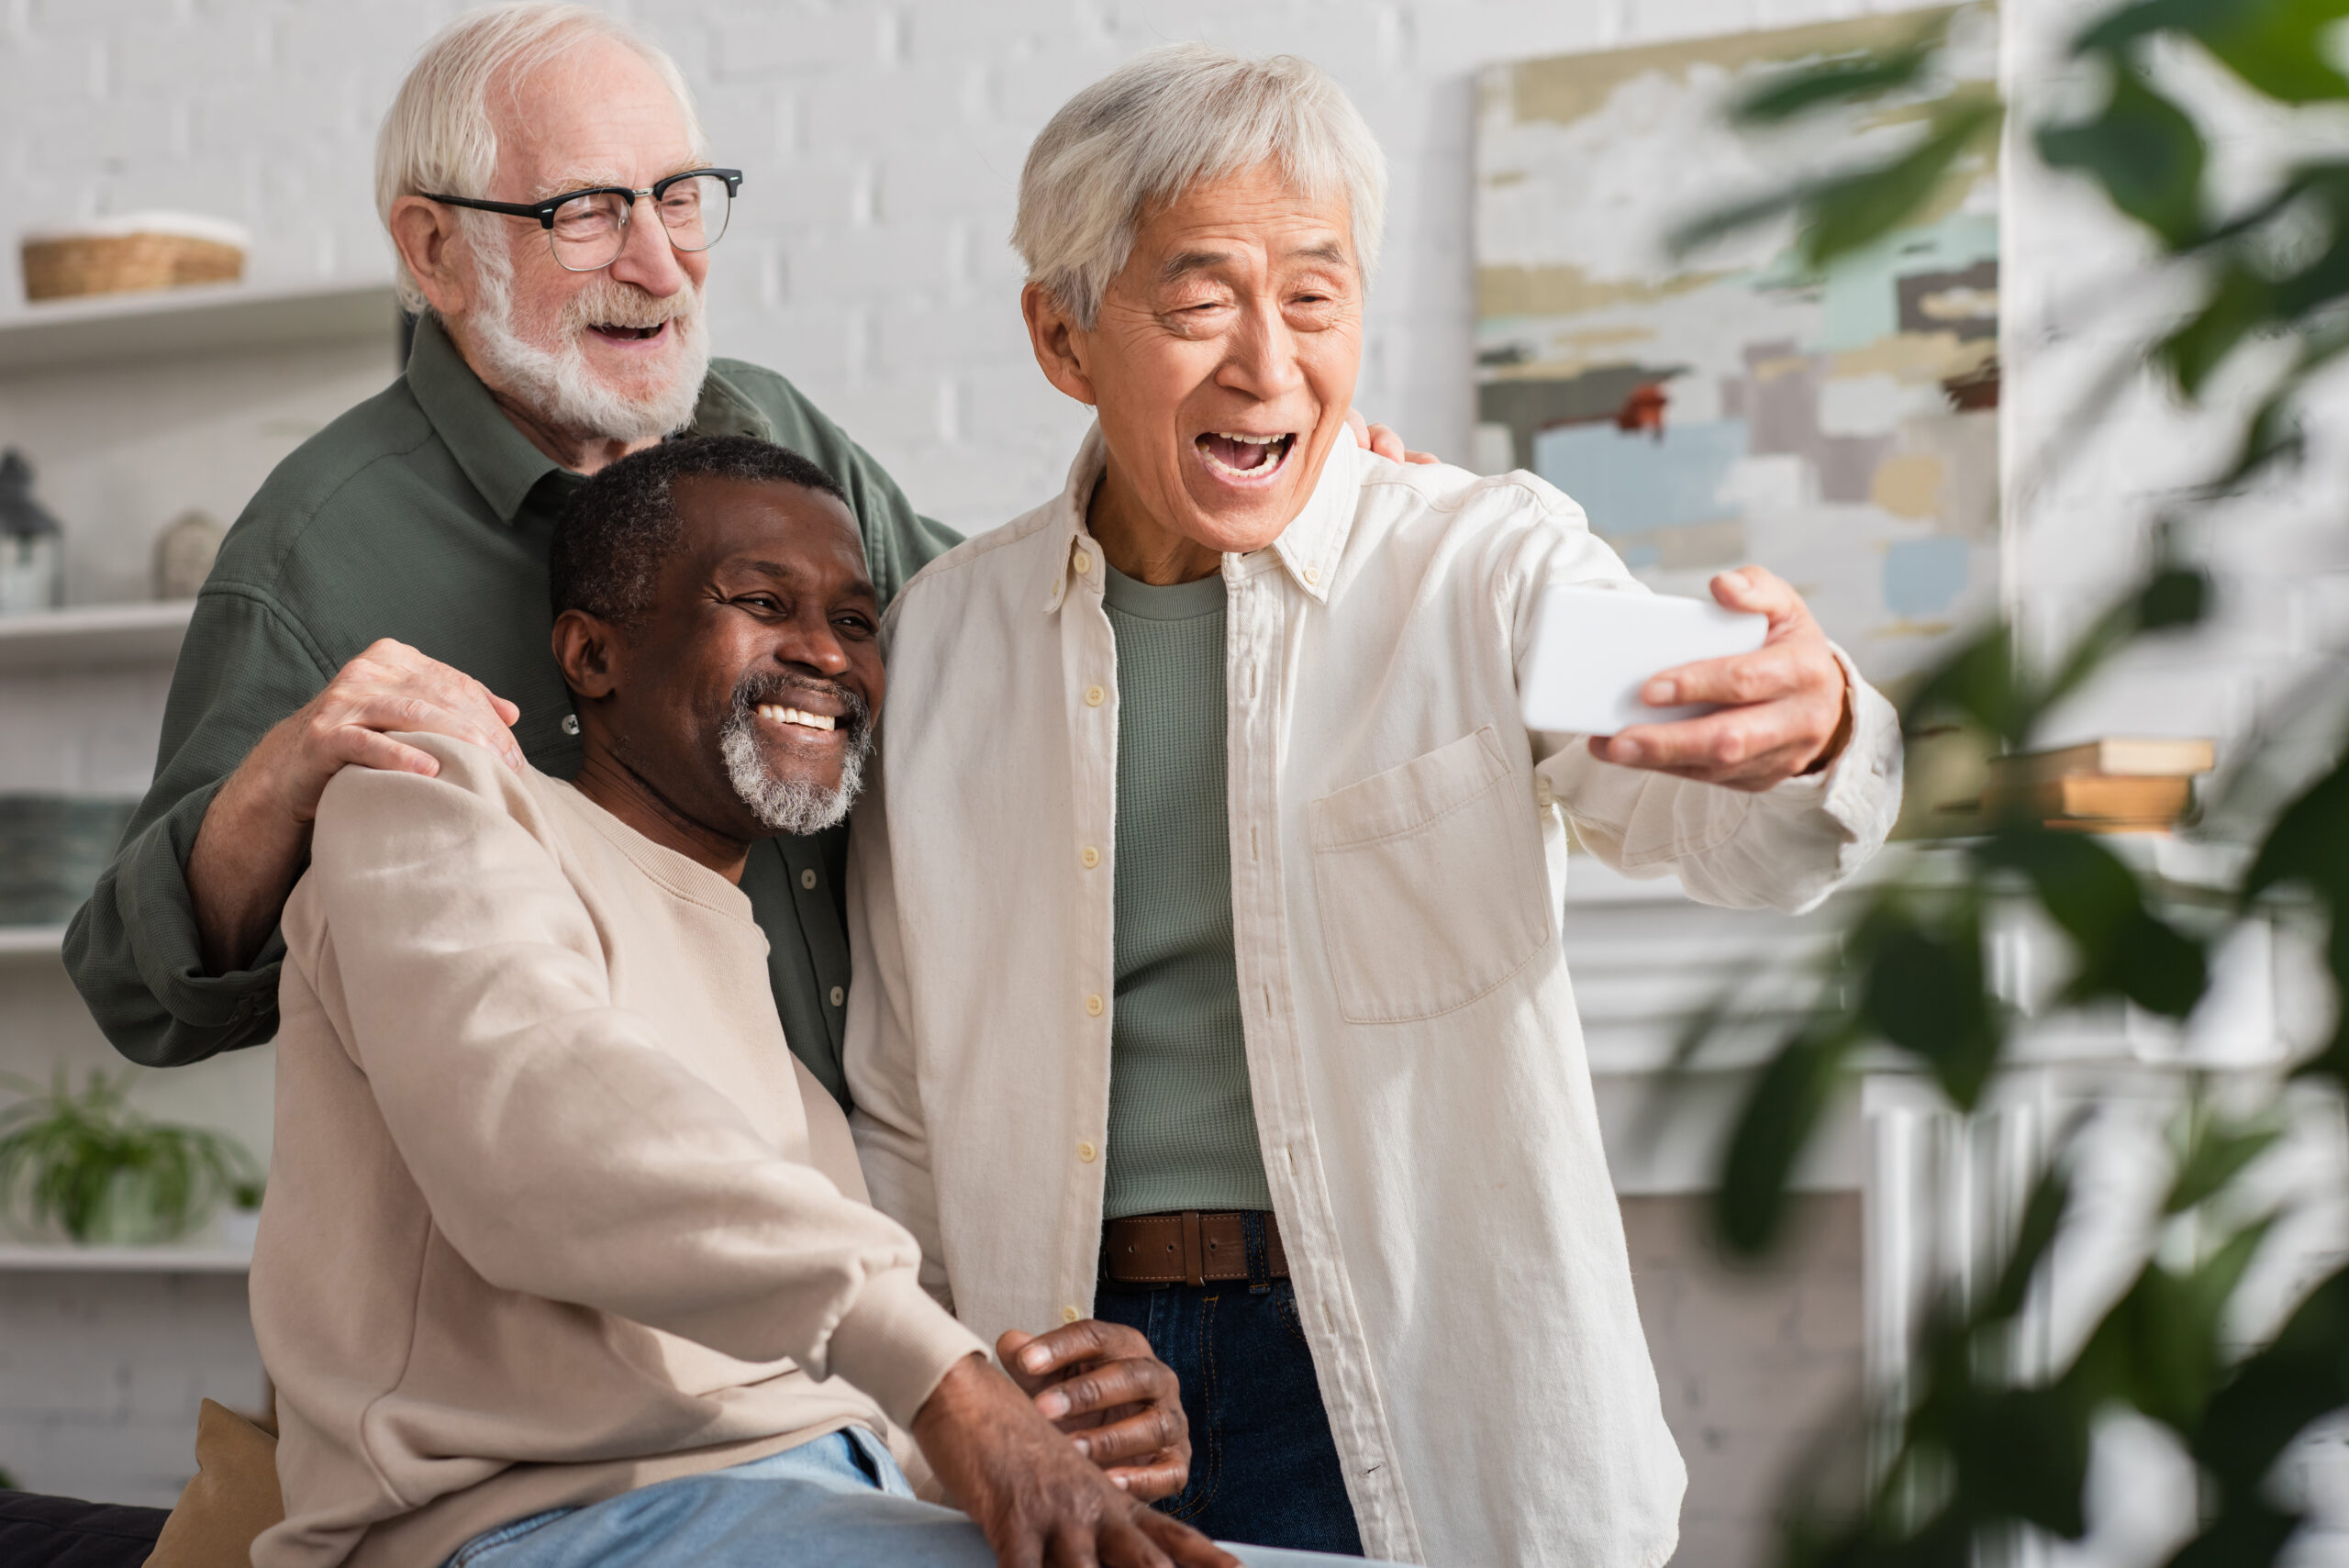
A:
{"x":423,"y":515}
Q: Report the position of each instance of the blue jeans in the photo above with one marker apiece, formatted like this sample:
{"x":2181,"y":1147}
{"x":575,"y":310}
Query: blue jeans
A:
{"x":1264,"y":1467}
{"x":838,"y":1500}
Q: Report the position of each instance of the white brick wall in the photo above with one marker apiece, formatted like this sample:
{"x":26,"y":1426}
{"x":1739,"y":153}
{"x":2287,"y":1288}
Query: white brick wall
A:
{"x":883,"y":142}
{"x":869,"y":263}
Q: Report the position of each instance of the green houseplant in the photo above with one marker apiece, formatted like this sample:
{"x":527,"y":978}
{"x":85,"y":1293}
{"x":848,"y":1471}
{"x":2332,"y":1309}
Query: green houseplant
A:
{"x":95,"y":1167}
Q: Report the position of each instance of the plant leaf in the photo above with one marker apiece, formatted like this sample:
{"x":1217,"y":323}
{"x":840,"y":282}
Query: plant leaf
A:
{"x":1781,"y":1109}
{"x":1845,"y":79}
{"x":1852,"y":211}
{"x":2144,"y":150}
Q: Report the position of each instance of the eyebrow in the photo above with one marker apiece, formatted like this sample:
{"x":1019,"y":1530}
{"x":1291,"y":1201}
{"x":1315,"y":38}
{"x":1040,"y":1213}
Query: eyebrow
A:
{"x":860,"y":588}
{"x":1182,"y":263}
{"x":581,"y":178}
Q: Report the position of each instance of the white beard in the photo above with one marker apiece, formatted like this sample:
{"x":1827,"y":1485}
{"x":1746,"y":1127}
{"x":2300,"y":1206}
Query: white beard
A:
{"x":788,"y":806}
{"x":559,"y":383}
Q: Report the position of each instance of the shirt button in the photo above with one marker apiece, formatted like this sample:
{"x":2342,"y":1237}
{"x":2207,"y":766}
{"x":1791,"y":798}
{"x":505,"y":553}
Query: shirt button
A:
{"x":571,"y":724}
{"x":1313,"y":574}
{"x":1090,"y":856}
{"x":1095,"y":697}
{"x":1070,"y":1315}
{"x":808,"y":880}
{"x":1083,"y":563}
{"x":1093,"y":1005}
{"x":1085,"y":1151}
{"x":839,"y":995}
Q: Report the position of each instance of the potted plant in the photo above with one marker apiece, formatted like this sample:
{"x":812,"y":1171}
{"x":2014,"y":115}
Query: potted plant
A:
{"x":107,"y":1174}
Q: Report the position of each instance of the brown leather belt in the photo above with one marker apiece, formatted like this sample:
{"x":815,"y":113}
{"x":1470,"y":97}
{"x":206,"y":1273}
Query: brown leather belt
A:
{"x":1189,"y":1248}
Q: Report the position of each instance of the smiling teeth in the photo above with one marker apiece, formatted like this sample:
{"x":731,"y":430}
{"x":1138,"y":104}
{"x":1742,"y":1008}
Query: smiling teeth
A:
{"x":793,"y":716}
{"x":1250,"y":441}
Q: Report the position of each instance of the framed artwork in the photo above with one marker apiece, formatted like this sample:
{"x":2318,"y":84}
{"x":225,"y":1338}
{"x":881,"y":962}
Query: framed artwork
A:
{"x":1839,"y":427}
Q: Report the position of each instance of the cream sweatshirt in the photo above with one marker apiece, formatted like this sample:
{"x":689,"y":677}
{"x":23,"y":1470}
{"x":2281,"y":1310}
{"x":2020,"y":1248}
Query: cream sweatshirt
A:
{"x":554,"y":1211}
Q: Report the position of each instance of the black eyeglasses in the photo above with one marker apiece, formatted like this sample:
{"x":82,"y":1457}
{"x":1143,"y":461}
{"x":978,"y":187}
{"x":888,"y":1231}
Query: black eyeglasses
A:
{"x":589,"y":229}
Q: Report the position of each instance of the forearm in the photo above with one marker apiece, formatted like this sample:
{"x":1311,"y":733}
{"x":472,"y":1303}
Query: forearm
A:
{"x":247,"y":855}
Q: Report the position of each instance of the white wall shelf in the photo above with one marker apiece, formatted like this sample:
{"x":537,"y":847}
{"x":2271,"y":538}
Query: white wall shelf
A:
{"x":160,"y":324}
{"x":31,"y":942}
{"x":94,"y":637}
{"x":214,"y":1260}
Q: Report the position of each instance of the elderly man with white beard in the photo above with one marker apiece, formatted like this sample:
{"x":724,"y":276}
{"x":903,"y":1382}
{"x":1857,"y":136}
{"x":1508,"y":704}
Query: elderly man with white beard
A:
{"x":553,"y":208}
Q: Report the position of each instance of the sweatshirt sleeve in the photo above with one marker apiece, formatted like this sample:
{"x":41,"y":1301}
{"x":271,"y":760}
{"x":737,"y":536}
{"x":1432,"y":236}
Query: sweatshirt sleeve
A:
{"x":563,"y":1152}
{"x":1786,"y":848}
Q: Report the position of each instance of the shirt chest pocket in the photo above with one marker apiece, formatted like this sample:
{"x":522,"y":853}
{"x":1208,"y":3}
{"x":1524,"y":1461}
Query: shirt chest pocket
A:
{"x":1431,"y":881}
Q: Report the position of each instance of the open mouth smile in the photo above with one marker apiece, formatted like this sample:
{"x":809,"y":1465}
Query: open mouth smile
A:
{"x":1239,"y":458}
{"x":775,"y":713}
{"x":628,"y":334}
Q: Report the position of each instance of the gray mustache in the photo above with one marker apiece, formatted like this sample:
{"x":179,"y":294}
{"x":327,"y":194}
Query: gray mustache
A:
{"x":757,"y":689}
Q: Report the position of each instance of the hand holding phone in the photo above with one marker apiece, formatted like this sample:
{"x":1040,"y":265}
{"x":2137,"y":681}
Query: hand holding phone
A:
{"x":1594,"y":647}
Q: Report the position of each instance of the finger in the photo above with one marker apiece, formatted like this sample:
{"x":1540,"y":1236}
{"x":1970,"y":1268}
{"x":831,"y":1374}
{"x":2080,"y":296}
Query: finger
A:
{"x":1076,"y":1545}
{"x":1779,"y":669}
{"x":1758,"y":772}
{"x":1386,"y":444}
{"x":1421,"y":456}
{"x":1008,"y":1346}
{"x":367,"y":749}
{"x":1360,"y":426}
{"x":1110,"y":1384}
{"x":422,"y":714}
{"x":1757,"y":590}
{"x":1184,"y":1544}
{"x":1724,"y":741}
{"x":1125,"y":1545}
{"x":1153,"y":1482}
{"x":1073,"y":1344}
{"x":1149,"y":1430}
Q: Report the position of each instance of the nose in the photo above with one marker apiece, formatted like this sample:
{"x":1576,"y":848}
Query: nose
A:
{"x":646,"y":258}
{"x":1261,"y":359}
{"x":808,"y":643}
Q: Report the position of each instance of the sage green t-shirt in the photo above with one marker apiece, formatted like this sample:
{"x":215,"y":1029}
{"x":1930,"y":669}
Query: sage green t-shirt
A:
{"x":1182,"y":1124}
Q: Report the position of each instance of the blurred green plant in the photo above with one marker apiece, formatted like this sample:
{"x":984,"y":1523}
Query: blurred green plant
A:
{"x":94,"y":1166}
{"x":1976,"y":1449}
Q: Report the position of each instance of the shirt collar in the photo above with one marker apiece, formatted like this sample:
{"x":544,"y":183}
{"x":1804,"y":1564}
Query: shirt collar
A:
{"x":499,"y":460}
{"x":1308,"y":548}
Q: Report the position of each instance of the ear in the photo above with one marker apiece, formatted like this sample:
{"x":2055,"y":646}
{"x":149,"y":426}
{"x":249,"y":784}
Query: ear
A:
{"x":585,"y":646}
{"x":1059,"y":343}
{"x":436,"y":252}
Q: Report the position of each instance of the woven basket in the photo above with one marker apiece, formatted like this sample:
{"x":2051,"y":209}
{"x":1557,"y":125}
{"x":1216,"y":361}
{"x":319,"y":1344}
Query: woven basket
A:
{"x":60,"y":266}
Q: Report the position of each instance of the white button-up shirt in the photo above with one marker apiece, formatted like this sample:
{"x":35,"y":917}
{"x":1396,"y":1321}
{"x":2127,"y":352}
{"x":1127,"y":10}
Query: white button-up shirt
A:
{"x":1422,"y":1098}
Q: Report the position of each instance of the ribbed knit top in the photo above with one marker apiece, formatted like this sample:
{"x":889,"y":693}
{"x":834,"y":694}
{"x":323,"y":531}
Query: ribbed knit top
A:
{"x":1182,"y":1125}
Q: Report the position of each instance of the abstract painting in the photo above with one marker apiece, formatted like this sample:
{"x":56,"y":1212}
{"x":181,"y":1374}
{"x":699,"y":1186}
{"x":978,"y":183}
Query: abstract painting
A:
{"x":1839,"y":427}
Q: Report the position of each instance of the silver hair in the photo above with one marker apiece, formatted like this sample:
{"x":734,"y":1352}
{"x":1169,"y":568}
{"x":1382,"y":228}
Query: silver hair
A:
{"x":1169,"y":120}
{"x":440,"y":134}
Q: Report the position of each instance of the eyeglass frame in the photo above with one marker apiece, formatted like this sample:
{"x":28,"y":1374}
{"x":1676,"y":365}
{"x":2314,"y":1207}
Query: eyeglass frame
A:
{"x":544,"y":211}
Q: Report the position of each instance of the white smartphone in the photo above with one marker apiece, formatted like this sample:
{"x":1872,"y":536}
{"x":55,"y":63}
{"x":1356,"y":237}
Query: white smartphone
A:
{"x":1594,"y":647}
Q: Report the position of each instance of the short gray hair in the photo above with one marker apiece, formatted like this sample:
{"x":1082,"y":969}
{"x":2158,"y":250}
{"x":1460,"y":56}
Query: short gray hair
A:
{"x":440,"y":135}
{"x":1171,"y":118}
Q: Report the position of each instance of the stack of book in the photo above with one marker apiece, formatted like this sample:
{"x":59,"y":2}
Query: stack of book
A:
{"x":2100,"y":786}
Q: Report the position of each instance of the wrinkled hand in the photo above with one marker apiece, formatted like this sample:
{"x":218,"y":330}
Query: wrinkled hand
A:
{"x":1117,"y":1402}
{"x":1026,"y":1488}
{"x":256,"y":833}
{"x":1789,"y":710}
{"x":390,"y":687}
{"x":1384,"y":442}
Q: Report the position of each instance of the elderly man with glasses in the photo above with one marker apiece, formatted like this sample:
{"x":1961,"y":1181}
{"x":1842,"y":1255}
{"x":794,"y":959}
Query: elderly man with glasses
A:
{"x":552,"y":207}
{"x":1226,"y":1001}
